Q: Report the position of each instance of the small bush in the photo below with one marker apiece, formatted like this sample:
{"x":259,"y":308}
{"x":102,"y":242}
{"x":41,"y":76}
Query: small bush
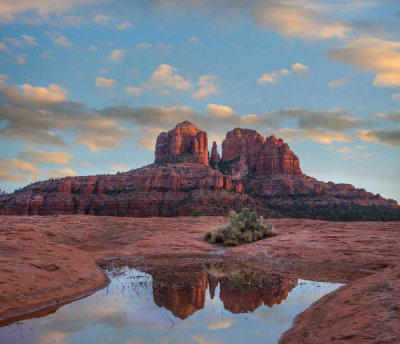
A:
{"x":244,"y":228}
{"x":197,"y":213}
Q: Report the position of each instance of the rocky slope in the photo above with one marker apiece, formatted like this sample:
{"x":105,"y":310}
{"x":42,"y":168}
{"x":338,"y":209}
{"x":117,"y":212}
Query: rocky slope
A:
{"x":257,"y":172}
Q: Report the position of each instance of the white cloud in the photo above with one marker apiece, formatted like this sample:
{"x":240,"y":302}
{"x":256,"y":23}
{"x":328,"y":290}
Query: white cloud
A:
{"x":123,"y":26}
{"x":43,"y":95}
{"x":317,"y":135}
{"x":141,"y":47}
{"x":3,"y":77}
{"x":372,"y":54}
{"x":87,"y":164}
{"x":390,"y":138}
{"x":220,"y":324}
{"x":64,"y":172}
{"x":165,"y":76}
{"x":59,"y":40}
{"x":193,"y":40}
{"x":105,"y":83}
{"x":220,"y":111}
{"x":120,"y":167}
{"x":296,"y":20}
{"x":350,"y":153}
{"x":21,"y":59}
{"x":300,"y":68}
{"x":116,"y":55}
{"x":207,"y":87}
{"x":101,"y":19}
{"x":40,"y":157}
{"x":396,"y":97}
{"x":15,"y":170}
{"x":13,"y":41}
{"x":273,"y":77}
{"x":93,"y":48}
{"x":3,"y":47}
{"x":134,"y":91}
{"x":103,"y":70}
{"x":29,"y":40}
{"x":338,"y":82}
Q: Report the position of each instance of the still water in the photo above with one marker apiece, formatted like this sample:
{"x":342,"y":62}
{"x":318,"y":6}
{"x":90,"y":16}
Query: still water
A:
{"x":205,"y":304}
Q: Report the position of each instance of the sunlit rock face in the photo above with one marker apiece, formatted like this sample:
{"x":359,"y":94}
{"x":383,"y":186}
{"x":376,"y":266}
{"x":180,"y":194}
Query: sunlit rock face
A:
{"x":263,"y":156}
{"x":184,"y":138}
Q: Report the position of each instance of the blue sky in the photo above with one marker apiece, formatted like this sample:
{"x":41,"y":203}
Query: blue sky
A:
{"x":86,"y":86}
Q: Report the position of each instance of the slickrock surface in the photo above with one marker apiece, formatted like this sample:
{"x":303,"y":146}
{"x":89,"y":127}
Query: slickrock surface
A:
{"x":57,"y":255}
{"x":260,"y":173}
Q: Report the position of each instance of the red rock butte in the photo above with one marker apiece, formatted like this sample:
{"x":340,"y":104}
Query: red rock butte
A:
{"x":255,"y":172}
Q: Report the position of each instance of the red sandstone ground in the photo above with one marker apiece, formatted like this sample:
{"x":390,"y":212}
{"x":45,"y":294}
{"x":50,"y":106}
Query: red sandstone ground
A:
{"x":44,"y":260}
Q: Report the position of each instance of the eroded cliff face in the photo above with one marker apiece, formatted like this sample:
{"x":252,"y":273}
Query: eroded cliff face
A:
{"x":262,"y":174}
{"x":263,"y":156}
{"x":184,"y":138}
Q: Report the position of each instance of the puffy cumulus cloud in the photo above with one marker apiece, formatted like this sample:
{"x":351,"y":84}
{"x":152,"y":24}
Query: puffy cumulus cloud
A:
{"x":16,"y":170}
{"x":3,"y":77}
{"x":317,"y":135}
{"x":299,"y":21}
{"x":336,"y":119}
{"x":133,"y":91}
{"x":30,"y":40}
{"x":21,"y":59}
{"x":220,"y":111}
{"x":116,"y":55}
{"x":396,"y":97}
{"x":59,"y":40}
{"x":165,"y":76}
{"x":123,"y":26}
{"x":393,"y":117}
{"x":64,"y":172}
{"x":273,"y":77}
{"x":3,"y":47}
{"x":299,"y":68}
{"x":372,"y":54}
{"x":40,"y":157}
{"x":105,"y":83}
{"x":220,"y":323}
{"x":390,"y":138}
{"x":337,"y":82}
{"x":87,"y":164}
{"x":43,"y":115}
{"x":13,"y":41}
{"x":207,"y":86}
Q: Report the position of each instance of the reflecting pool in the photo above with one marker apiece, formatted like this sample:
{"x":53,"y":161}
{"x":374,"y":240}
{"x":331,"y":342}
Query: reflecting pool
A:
{"x":202,"y":304}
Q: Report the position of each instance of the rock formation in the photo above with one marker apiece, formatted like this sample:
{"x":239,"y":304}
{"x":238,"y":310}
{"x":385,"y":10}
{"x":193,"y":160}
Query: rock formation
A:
{"x":184,"y":138}
{"x":263,"y":156}
{"x":214,"y":153}
{"x":262,"y":174}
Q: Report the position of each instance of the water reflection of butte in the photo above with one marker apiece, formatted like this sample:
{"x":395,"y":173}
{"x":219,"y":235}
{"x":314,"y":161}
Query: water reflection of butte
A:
{"x":184,"y":293}
{"x":244,"y":298}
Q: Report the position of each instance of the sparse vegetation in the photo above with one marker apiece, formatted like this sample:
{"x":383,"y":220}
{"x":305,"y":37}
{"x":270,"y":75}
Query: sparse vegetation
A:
{"x":244,"y":227}
{"x":197,"y":212}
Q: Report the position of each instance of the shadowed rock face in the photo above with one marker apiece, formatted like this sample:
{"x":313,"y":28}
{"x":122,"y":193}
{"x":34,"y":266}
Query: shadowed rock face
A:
{"x":262,"y":174}
{"x":184,"y":138}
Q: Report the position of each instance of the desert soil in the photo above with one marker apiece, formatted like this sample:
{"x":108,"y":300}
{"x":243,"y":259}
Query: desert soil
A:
{"x":46,"y":261}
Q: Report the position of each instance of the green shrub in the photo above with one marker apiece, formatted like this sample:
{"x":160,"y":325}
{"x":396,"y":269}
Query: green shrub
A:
{"x":197,"y":213}
{"x":244,"y":227}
